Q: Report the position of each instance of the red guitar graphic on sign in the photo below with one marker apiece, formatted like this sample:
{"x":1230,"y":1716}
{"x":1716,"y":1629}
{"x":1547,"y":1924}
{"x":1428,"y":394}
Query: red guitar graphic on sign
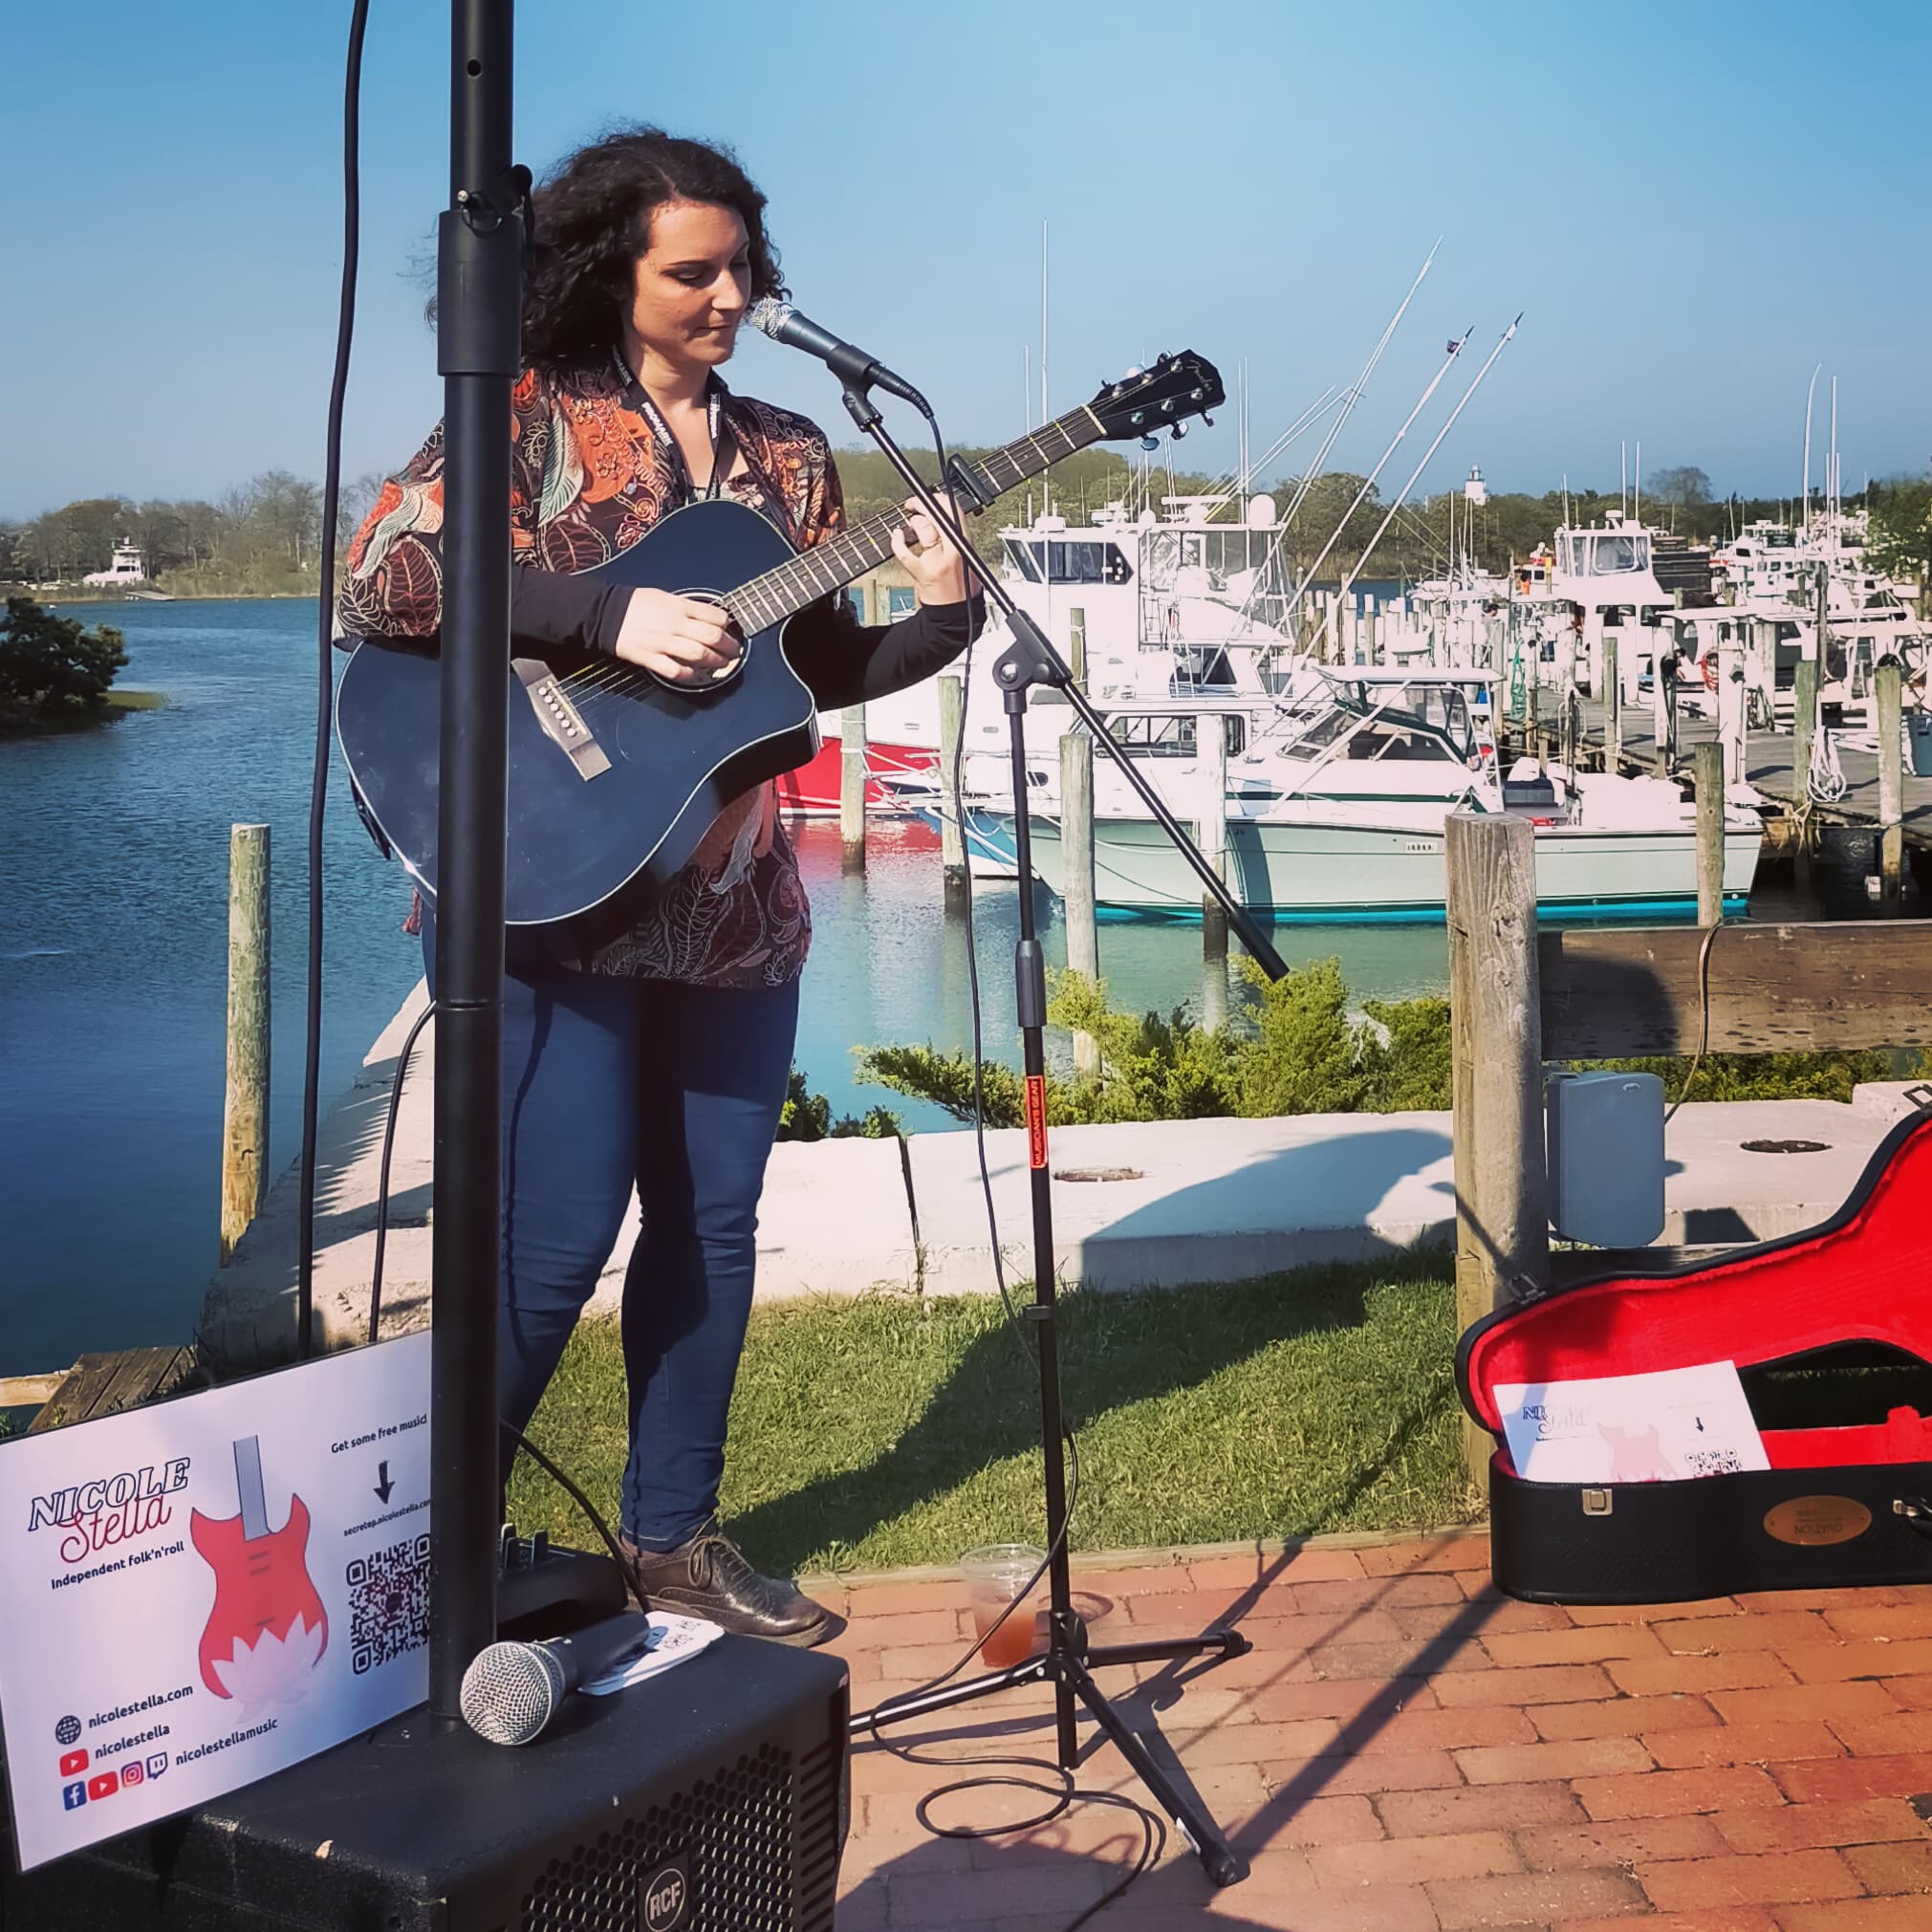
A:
{"x":268,"y":1628}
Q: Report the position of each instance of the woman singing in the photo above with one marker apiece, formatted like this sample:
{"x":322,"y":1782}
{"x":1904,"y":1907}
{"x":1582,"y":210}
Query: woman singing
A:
{"x":660,"y":1061}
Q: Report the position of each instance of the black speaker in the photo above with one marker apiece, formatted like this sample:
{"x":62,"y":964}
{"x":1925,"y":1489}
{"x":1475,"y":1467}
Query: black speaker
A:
{"x":714,"y":1798}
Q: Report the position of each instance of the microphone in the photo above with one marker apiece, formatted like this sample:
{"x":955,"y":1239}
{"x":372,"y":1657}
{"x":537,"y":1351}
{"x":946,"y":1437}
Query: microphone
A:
{"x":513,"y":1691}
{"x":783,"y":323}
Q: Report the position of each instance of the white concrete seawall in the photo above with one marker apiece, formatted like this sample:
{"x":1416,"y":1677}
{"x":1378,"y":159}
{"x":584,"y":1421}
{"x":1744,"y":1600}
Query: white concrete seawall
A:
{"x":1140,"y":1204}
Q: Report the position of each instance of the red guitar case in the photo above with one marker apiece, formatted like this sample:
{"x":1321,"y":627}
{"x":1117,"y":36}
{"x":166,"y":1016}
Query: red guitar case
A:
{"x":1843,"y":1503}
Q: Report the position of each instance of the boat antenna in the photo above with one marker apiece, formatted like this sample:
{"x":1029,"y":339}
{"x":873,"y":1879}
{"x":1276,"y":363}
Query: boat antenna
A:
{"x":1355,"y":394}
{"x":1454,"y":350}
{"x":1430,"y":451}
{"x":1807,"y":522}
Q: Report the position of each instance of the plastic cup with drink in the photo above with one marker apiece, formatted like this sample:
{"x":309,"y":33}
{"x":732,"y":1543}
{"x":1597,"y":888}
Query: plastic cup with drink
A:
{"x":995,"y":1576}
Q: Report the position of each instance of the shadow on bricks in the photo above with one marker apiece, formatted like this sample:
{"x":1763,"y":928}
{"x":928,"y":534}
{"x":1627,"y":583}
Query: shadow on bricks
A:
{"x":1030,"y":1885}
{"x":987,"y":1410}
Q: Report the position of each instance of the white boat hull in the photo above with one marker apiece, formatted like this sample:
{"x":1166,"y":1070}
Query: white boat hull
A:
{"x":1332,"y":869}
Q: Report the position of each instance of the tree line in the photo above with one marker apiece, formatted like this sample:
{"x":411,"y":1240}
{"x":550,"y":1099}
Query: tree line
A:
{"x":262,"y":536}
{"x":266,"y":535}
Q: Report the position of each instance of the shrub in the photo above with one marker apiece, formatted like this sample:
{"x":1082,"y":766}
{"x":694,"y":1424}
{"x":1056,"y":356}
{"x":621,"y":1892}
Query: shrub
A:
{"x":1295,"y":1047}
{"x":51,"y":668}
{"x":807,"y":1115}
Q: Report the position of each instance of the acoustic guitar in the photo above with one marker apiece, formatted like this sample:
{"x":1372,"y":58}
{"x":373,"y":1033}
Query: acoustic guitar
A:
{"x":614,"y":776}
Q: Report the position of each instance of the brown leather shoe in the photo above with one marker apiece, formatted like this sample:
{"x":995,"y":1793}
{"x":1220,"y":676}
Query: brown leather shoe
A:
{"x":709,"y":1577}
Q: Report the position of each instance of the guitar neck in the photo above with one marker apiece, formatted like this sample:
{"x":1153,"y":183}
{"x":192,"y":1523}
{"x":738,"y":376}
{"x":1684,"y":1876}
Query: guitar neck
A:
{"x":248,"y":1488}
{"x":842,"y":559}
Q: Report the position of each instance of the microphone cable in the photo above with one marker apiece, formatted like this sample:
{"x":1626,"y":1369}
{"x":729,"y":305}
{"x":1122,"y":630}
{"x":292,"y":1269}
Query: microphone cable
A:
{"x":325,"y":679}
{"x":1064,"y":1790}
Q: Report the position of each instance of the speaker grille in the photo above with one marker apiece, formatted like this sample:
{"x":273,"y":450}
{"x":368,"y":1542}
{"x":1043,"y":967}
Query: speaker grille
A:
{"x":740,"y":1831}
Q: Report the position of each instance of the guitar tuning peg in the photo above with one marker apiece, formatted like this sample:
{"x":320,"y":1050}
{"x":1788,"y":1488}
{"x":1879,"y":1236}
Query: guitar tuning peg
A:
{"x":1208,"y":419}
{"x":1180,"y":430}
{"x":1150,"y":442}
{"x":1132,"y":373}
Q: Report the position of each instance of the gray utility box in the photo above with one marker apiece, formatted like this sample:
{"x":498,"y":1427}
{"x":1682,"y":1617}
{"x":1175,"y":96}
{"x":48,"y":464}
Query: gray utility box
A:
{"x":1604,"y":1140}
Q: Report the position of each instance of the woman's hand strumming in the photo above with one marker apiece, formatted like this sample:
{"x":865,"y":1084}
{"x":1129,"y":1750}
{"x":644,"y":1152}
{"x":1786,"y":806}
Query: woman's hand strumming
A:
{"x":680,"y":640}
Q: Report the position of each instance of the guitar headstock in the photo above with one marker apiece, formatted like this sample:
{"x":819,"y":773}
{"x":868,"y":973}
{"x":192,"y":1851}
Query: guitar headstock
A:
{"x":1164,"y":396}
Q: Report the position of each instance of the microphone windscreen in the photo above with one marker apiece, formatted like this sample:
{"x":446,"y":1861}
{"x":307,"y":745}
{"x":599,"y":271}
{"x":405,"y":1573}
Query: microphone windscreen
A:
{"x":768,"y":315}
{"x":510,"y":1691}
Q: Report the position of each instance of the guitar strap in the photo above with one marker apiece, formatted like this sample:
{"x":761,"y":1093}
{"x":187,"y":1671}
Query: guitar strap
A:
{"x":724,"y":446}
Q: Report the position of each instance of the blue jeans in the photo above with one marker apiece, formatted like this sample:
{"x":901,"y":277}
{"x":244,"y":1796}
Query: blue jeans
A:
{"x":609,"y":1081}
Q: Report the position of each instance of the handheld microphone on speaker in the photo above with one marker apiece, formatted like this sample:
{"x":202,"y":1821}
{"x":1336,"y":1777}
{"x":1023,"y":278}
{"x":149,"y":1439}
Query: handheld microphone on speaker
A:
{"x":513,"y":1691}
{"x":783,"y":323}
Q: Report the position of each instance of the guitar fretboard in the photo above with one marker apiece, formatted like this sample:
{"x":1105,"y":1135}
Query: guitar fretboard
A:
{"x":841,"y":559}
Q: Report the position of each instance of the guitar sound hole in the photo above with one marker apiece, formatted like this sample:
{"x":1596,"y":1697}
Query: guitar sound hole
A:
{"x":711,"y":681}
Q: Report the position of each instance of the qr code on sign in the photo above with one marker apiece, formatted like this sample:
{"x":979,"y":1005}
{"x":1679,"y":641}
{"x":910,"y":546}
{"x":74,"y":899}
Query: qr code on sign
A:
{"x":389,"y":1603}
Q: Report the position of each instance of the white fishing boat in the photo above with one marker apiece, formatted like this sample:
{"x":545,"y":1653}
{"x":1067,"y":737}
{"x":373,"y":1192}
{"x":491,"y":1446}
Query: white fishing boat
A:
{"x":1344,"y":819}
{"x":1169,"y":605}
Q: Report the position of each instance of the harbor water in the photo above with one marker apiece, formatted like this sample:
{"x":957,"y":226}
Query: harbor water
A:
{"x":112,"y":963}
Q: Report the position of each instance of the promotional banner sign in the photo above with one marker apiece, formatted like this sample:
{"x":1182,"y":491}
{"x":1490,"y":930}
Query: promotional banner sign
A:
{"x":205,"y":1591}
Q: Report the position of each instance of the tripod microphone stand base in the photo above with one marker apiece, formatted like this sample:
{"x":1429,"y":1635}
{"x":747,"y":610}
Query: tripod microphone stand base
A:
{"x":1070,"y":1665}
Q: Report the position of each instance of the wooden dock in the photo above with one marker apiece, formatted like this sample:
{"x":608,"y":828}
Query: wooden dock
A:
{"x":1767,"y":765}
{"x":104,"y":1386}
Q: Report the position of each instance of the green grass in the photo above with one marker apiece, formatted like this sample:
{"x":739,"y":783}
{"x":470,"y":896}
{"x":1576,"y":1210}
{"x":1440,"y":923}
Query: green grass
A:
{"x":884,"y":1431}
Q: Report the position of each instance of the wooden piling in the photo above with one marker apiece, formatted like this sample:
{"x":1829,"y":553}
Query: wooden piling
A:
{"x":1804,"y":720}
{"x":852,"y":777}
{"x":1706,"y":763}
{"x":1613,"y":710}
{"x":1663,"y":702}
{"x":1804,"y":730}
{"x":1076,"y":865}
{"x":1212,"y":830}
{"x":245,"y":1110}
{"x":1886,"y":703}
{"x":1764,"y":677}
{"x":951,"y":837}
{"x":1496,"y":1032}
{"x":1732,"y":704}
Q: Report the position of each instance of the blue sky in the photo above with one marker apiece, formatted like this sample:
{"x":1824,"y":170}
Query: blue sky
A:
{"x":1692,"y":205}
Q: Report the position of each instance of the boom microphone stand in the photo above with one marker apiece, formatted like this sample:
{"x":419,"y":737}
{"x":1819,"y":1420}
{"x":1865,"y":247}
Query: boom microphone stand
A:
{"x":1069,"y":1661}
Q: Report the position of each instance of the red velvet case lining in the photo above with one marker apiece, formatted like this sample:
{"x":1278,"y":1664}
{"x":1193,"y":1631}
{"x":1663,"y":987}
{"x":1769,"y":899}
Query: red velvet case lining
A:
{"x":1861,"y":1276}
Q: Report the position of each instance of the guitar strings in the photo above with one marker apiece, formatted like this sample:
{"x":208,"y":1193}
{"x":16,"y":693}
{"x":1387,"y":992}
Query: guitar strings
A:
{"x":868,"y":544}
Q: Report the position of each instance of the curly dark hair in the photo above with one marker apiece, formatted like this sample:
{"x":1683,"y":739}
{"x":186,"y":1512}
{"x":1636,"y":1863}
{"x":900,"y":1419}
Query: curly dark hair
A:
{"x":593,"y":220}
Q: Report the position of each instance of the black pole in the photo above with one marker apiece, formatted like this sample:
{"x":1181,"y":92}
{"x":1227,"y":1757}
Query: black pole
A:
{"x":1029,"y":993}
{"x":479,"y":298}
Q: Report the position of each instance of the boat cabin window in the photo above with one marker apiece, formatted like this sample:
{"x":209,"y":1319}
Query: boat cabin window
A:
{"x":1172,"y":737}
{"x":1086,"y":564}
{"x":1200,"y":670}
{"x":1020,"y":556}
{"x":1606,"y":553}
{"x":1385,"y":738}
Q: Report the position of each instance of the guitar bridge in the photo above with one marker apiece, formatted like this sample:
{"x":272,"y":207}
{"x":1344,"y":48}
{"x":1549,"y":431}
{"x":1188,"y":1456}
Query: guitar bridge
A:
{"x":562,"y":722}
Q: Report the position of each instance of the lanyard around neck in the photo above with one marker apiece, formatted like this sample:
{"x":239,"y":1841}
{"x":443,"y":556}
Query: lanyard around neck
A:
{"x":721,"y":447}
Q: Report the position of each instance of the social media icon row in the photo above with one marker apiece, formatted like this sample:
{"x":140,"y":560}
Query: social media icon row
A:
{"x":104,"y":1784}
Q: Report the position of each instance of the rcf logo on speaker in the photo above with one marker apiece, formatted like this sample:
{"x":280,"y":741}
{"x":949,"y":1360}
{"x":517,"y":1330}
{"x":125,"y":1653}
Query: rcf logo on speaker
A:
{"x":667,"y":1897}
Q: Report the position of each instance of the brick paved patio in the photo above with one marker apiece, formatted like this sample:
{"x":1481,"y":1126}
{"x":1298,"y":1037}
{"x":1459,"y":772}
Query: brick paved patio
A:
{"x":1405,"y":1751}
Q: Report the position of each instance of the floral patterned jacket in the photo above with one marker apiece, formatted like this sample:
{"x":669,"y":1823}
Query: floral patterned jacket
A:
{"x":589,"y":478}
